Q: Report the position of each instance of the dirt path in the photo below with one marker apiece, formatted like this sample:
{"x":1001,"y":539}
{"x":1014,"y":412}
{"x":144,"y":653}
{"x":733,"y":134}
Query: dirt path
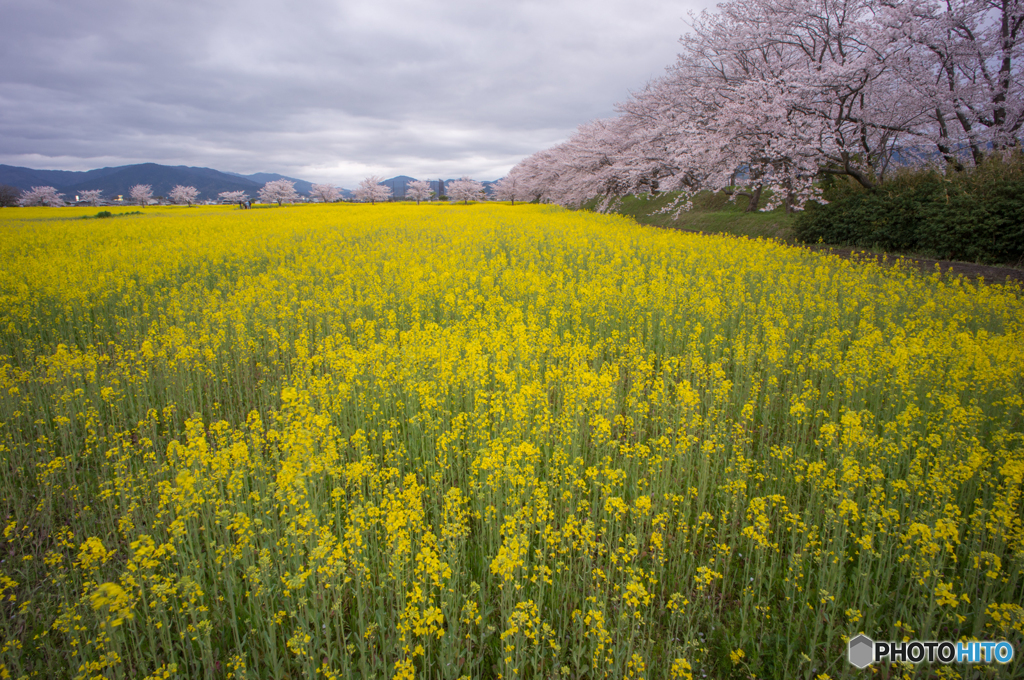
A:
{"x":991,"y":274}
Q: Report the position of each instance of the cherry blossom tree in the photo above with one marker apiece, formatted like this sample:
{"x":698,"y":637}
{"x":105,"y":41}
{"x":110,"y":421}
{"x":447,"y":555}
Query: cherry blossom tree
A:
{"x":90,"y":196}
{"x":604,"y":159}
{"x":371,"y":189}
{"x":511,"y":187}
{"x":770,"y":95}
{"x":47,"y":196}
{"x":465,"y":190}
{"x":782,"y":91}
{"x":419,"y":190}
{"x":608,"y":159}
{"x":239,"y":197}
{"x":541,"y":173}
{"x":765,"y":94}
{"x":278,"y":191}
{"x":141,"y":193}
{"x":181,"y":194}
{"x":325,"y":193}
{"x":964,"y":62}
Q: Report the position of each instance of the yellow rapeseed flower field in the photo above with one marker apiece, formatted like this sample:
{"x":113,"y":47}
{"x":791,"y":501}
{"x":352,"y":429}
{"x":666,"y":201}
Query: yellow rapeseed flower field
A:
{"x":483,"y":441}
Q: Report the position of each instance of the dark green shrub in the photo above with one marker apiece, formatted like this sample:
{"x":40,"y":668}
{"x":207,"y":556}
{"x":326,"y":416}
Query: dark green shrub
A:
{"x":106,"y":213}
{"x":976,"y":215}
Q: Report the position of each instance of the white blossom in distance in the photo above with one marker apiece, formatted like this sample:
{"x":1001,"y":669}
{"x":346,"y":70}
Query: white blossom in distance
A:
{"x":90,"y":196}
{"x":325,"y":193}
{"x":511,"y":187}
{"x":465,"y":190}
{"x":141,"y":193}
{"x":233,"y":196}
{"x":371,"y":189}
{"x":180,"y":194}
{"x":47,"y":196}
{"x":279,"y":191}
{"x":541,"y":173}
{"x":419,"y":190}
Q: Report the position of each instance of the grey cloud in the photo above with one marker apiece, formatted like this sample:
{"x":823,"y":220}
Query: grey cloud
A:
{"x":325,"y":88}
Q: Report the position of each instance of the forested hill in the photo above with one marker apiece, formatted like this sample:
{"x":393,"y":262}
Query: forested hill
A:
{"x":119,"y":180}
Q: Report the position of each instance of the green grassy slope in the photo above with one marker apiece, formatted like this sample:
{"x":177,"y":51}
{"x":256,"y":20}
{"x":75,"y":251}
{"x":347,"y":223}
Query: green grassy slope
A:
{"x":711,"y":213}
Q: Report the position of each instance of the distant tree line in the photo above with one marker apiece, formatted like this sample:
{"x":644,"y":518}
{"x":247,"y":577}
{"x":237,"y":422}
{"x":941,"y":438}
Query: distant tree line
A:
{"x":371,"y":190}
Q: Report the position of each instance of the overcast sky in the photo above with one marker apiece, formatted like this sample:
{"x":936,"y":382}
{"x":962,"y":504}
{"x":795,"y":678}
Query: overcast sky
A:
{"x":323,"y":90}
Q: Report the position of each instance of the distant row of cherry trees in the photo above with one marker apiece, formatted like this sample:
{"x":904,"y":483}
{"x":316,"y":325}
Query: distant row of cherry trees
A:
{"x":370,"y":190}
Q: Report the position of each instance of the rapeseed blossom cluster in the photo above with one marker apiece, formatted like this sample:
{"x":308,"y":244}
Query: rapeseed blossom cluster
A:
{"x":483,"y":441}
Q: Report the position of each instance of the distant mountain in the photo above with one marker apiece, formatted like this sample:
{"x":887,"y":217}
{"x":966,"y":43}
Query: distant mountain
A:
{"x":163,"y":178}
{"x":118,"y":181}
{"x":26,"y":178}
